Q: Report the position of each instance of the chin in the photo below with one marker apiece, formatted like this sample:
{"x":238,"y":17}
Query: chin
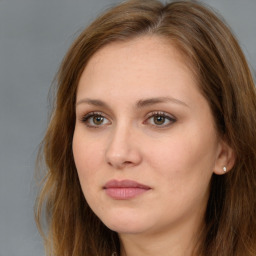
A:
{"x":126,"y":229}
{"x":125,"y":224}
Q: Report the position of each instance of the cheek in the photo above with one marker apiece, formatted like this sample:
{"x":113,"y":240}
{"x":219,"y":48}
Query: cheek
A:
{"x":185,"y":158}
{"x":86,"y":155}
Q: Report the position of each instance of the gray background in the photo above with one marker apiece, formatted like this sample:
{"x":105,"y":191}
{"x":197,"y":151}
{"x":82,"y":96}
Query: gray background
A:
{"x":34,"y":35}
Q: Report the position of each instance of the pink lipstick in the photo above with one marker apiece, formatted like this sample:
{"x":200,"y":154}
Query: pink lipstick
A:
{"x":124,"y":189}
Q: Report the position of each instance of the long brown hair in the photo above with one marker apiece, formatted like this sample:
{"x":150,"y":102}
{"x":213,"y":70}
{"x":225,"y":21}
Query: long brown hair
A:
{"x":226,"y":82}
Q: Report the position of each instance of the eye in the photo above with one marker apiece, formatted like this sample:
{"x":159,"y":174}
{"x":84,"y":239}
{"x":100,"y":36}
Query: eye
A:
{"x":95,"y":120}
{"x":160,"y":119}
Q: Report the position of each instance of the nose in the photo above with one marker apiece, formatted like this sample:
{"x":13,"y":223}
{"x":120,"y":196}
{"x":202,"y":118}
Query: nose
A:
{"x":123,"y":149}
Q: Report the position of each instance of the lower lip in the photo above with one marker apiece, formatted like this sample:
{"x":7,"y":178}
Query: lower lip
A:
{"x":124,"y":193}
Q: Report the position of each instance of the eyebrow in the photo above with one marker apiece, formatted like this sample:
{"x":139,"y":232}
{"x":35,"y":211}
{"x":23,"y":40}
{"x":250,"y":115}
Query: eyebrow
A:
{"x":152,"y":101}
{"x":139,"y":104}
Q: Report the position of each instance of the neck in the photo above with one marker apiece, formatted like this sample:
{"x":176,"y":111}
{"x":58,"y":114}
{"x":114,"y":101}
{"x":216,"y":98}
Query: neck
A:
{"x":174,"y":242}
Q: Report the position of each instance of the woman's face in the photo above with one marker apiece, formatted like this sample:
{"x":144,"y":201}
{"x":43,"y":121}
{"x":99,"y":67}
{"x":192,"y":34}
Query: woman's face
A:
{"x":145,"y":144}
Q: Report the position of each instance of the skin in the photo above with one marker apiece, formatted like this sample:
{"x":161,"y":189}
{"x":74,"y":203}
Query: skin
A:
{"x":175,"y":157}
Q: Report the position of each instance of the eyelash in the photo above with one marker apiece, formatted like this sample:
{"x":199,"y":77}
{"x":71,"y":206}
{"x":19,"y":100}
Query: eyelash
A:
{"x":161,"y":114}
{"x":86,"y":119}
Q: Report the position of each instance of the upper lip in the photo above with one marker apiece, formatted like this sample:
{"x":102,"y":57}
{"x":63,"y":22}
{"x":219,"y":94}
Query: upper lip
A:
{"x":125,"y":184}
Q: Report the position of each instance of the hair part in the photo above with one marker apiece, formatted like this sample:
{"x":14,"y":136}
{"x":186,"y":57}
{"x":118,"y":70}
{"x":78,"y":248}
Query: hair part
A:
{"x":224,"y":79}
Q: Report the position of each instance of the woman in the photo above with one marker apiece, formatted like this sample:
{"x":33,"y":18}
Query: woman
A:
{"x":151,"y":147}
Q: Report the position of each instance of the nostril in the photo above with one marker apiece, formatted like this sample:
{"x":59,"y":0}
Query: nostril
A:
{"x":120,"y":165}
{"x":127,"y":162}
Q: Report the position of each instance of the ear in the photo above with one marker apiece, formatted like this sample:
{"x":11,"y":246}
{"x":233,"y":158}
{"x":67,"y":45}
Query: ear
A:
{"x":225,"y":158}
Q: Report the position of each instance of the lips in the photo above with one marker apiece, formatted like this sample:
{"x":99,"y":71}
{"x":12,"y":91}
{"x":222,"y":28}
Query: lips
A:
{"x":124,"y":189}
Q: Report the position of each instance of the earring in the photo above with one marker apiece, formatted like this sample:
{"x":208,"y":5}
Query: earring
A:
{"x":224,"y":169}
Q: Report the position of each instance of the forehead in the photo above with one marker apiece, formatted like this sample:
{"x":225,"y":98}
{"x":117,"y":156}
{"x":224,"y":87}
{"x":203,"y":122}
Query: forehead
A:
{"x":145,"y":58}
{"x":139,"y":47}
